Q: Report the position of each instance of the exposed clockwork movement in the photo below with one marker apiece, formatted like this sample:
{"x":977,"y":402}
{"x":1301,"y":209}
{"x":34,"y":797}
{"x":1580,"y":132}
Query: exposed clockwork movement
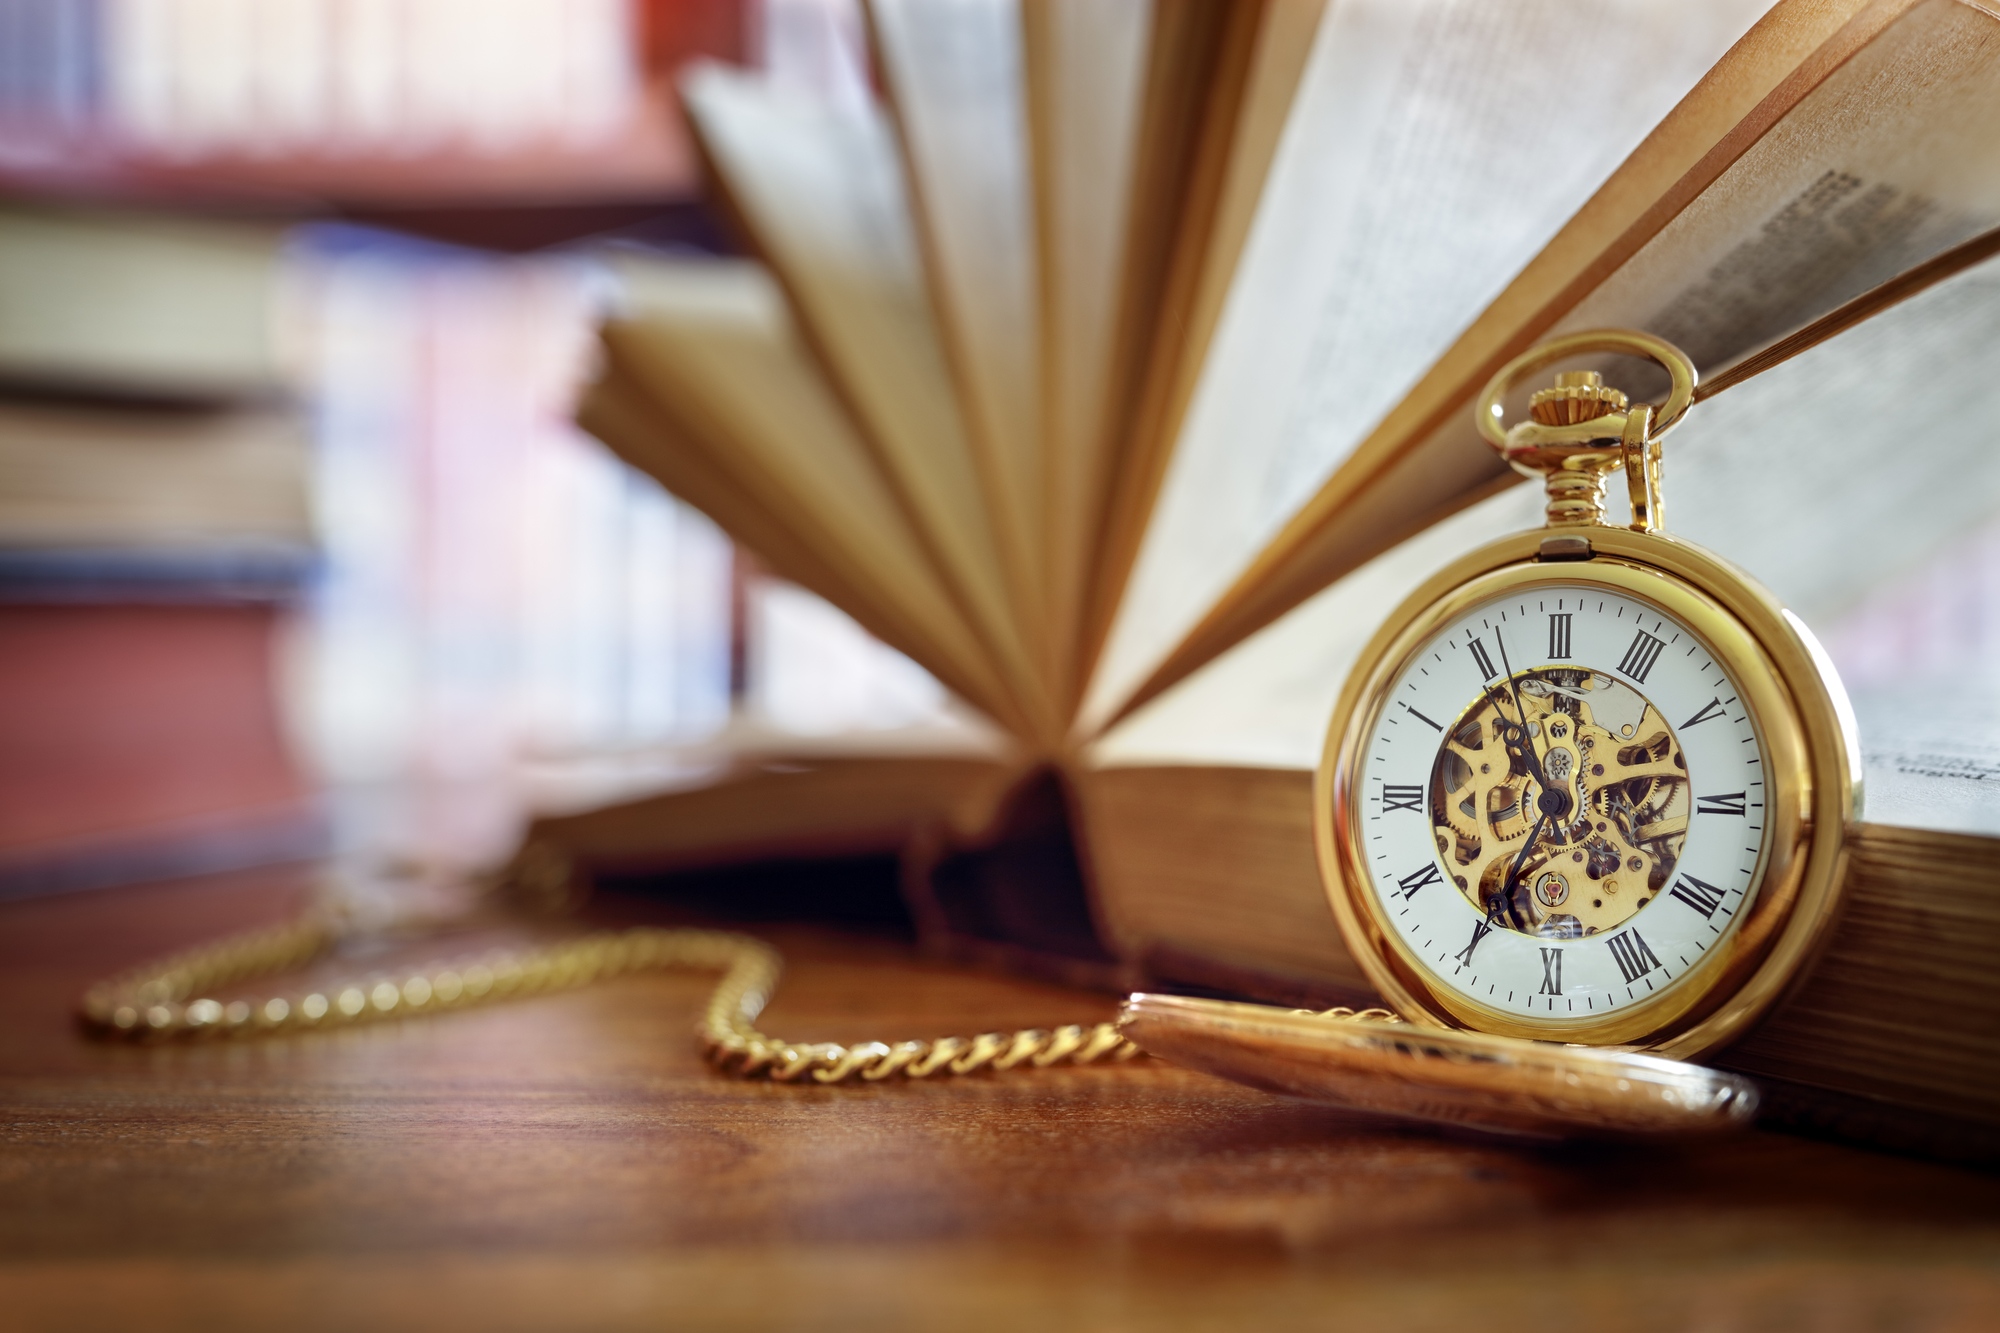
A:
{"x":1567,"y":802}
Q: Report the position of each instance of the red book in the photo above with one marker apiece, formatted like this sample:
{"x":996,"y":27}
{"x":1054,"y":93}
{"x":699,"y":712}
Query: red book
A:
{"x":139,"y":741}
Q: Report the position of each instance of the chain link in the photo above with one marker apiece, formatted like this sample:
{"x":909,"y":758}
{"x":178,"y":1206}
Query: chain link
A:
{"x":168,"y":999}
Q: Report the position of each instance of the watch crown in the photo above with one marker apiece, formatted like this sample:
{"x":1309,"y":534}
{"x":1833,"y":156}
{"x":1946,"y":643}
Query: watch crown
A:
{"x":1579,"y":431}
{"x":1578,"y":395}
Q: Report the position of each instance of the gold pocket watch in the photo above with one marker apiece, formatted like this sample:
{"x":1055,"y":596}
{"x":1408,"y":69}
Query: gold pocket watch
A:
{"x":1581,"y":813}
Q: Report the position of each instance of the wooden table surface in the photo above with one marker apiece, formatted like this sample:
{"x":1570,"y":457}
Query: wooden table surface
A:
{"x":568,"y":1163}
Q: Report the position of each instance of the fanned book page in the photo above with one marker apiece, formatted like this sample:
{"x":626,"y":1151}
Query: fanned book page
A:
{"x":1221,"y":82}
{"x":711,"y":345}
{"x":1889,"y":161}
{"x":1085,"y":73}
{"x":1868,"y":158}
{"x":1427,"y":158}
{"x":953,"y":72}
{"x":821,"y":191}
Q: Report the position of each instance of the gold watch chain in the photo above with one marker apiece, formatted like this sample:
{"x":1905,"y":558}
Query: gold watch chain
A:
{"x":167,"y":999}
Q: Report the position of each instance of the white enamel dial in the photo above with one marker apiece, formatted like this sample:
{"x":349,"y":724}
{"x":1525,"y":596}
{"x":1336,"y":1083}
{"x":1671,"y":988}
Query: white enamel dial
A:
{"x":1562,"y":803}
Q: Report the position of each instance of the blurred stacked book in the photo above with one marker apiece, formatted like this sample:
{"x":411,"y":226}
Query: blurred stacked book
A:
{"x":153,"y":524}
{"x":1119,"y":370}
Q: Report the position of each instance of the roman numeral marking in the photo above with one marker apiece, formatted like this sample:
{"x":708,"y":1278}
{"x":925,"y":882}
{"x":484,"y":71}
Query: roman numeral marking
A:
{"x":1702,"y":896}
{"x":1729,"y":803}
{"x":1402,"y":798}
{"x":1480,"y":930}
{"x":1713,"y":708}
{"x":1421,"y":718}
{"x":1552,"y":972}
{"x":1634,"y":959}
{"x":1639,"y":658}
{"x":1559,"y":633}
{"x":1481,"y":660}
{"x":1417,"y":879}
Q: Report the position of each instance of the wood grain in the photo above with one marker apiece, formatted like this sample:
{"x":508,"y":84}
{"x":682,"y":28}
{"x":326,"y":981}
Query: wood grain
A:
{"x":567,"y":1162}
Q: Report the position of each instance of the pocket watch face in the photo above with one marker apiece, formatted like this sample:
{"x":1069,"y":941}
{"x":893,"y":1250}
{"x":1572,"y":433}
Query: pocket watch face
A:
{"x":1561,"y":803}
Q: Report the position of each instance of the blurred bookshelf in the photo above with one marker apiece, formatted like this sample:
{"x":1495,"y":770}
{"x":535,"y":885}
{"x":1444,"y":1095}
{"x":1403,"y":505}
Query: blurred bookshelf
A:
{"x":299,"y":550}
{"x":388,"y":102}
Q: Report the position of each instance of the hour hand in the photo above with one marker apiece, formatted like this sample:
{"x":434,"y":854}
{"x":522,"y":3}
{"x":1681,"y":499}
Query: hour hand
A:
{"x":1514,"y":735}
{"x":1504,"y":900}
{"x":1522,"y":746}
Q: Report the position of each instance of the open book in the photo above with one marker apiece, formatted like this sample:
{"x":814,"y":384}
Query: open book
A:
{"x":1119,"y":369}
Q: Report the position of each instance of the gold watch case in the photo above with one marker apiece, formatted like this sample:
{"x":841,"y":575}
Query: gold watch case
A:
{"x":1580,"y":433}
{"x":1799,"y":709}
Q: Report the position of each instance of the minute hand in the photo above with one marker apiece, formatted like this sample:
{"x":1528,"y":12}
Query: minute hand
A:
{"x":1527,"y":750}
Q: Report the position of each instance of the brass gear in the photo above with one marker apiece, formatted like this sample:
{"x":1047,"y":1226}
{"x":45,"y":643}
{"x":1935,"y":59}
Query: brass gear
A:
{"x":1616,"y":829}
